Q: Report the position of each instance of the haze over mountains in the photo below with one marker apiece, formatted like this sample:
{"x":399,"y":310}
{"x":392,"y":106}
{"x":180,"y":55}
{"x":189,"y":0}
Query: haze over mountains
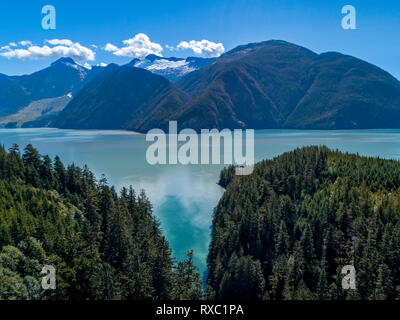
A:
{"x":267,"y":85}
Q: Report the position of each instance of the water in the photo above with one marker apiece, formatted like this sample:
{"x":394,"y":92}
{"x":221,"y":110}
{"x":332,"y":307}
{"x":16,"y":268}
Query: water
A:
{"x":184,"y":196}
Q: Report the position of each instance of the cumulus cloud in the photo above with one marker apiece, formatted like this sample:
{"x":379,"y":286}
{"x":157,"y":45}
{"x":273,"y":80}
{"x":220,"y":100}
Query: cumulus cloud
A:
{"x":13,"y":44}
{"x":63,"y":42}
{"x":171,"y":48}
{"x":54,"y":49}
{"x":139,"y":46}
{"x":204,"y":48}
{"x":25,"y":43}
{"x":110,"y":47}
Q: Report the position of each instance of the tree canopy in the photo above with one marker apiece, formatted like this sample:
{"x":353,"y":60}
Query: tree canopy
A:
{"x":287,"y":230}
{"x":103,"y":244}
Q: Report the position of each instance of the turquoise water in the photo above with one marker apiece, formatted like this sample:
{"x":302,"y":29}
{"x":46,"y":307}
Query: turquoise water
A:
{"x":184,"y":196}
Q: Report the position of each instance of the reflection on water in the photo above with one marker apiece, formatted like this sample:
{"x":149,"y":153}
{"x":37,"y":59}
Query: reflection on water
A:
{"x":184,"y":196}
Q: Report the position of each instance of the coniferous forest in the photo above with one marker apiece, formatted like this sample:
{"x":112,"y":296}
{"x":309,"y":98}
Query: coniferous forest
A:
{"x":284,"y":232}
{"x":103,"y":244}
{"x":287,"y":230}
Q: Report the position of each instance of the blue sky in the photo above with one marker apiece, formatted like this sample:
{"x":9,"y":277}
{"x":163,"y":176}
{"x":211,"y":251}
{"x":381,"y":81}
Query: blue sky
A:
{"x":313,"y":24}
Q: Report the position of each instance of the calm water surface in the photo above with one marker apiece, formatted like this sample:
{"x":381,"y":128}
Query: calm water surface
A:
{"x":184,"y":196}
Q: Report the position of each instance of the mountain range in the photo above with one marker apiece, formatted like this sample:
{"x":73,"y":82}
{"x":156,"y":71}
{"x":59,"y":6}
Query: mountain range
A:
{"x":265,"y":85}
{"x":276,"y":84}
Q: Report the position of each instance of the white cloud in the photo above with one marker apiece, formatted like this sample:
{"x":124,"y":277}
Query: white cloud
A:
{"x":171,"y":48}
{"x":58,"y":49}
{"x":102,"y":64}
{"x":203,"y":48}
{"x":25,"y":43}
{"x":63,"y":42}
{"x":137,"y":47}
{"x":110,"y":47}
{"x":13,"y":44}
{"x":5,"y":48}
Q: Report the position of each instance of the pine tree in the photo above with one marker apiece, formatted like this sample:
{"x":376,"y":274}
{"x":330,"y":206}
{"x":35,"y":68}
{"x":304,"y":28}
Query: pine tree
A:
{"x":187,"y":283}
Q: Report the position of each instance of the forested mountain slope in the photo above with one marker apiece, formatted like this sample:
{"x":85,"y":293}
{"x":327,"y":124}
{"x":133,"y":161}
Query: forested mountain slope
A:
{"x":287,"y":230}
{"x":103,"y":245}
{"x":265,"y":85}
{"x":122,"y":98}
{"x":276,"y":84}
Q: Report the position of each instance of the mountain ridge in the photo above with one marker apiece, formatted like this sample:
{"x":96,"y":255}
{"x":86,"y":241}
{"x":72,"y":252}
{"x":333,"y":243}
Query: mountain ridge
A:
{"x":137,"y":92}
{"x":266,"y":85}
{"x":294,"y":62}
{"x":62,"y":77}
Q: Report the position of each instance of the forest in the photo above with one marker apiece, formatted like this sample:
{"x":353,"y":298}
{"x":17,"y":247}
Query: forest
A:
{"x":286,"y":231}
{"x":104,"y":244}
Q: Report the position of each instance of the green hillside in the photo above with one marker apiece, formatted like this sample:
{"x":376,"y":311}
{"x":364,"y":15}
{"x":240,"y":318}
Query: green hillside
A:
{"x":104,"y":245}
{"x":287,"y":230}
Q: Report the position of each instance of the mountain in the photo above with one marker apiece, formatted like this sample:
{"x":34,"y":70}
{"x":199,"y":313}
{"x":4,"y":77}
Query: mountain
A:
{"x":62,"y":77}
{"x":276,"y":84}
{"x":171,"y":68}
{"x":347,"y":93}
{"x":12,"y":96}
{"x":267,"y":85}
{"x":36,"y":112}
{"x":122,"y":97}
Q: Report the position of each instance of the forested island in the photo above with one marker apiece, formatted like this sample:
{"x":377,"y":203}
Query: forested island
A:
{"x":287,"y":230}
{"x":103,"y":244}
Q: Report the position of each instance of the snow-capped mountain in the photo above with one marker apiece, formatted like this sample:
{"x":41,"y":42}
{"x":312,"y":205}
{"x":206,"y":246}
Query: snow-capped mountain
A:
{"x":170,"y":68}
